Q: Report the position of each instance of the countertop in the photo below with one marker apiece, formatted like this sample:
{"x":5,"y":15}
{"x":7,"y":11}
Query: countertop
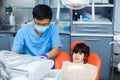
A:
{"x":61,"y":31}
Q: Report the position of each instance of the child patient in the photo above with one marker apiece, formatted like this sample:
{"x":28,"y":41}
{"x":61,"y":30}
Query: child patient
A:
{"x":79,"y":69}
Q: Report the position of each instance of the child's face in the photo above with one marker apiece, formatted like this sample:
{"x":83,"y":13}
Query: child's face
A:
{"x":78,"y":57}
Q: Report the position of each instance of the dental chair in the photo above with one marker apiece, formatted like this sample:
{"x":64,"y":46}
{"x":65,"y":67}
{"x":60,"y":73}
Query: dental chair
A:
{"x":93,"y":58}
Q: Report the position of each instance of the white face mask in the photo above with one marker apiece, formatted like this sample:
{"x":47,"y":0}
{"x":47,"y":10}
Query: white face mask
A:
{"x":41,"y":29}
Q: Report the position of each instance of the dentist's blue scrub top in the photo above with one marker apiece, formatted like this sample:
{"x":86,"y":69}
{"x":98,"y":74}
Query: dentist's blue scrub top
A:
{"x":28,"y":41}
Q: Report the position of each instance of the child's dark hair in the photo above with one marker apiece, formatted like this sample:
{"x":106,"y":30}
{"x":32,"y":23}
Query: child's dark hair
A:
{"x":82,"y":48}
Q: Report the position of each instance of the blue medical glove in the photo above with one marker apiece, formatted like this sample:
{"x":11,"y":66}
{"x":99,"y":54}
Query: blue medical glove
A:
{"x":44,"y":55}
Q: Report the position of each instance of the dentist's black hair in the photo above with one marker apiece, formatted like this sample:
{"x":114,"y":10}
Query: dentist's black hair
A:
{"x":42,"y":11}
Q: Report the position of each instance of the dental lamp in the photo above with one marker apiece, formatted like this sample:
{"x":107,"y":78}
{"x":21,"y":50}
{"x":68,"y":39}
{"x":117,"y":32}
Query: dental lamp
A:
{"x":74,"y":5}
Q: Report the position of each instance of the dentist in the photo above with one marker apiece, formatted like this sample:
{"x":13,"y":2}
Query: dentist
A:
{"x":39,"y":37}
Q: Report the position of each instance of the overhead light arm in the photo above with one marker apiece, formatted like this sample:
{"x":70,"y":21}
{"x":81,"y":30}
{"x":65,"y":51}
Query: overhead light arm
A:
{"x":93,"y":10}
{"x":58,"y":10}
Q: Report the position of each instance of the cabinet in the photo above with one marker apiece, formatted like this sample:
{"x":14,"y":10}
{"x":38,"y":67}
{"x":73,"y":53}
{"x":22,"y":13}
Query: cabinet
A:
{"x":97,"y":33}
{"x":92,"y":28}
{"x":65,"y":40}
{"x":6,"y":41}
